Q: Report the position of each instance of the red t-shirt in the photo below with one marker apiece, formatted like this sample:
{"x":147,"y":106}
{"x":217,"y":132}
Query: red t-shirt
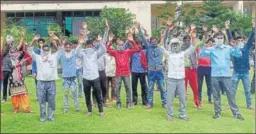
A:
{"x":203,"y":61}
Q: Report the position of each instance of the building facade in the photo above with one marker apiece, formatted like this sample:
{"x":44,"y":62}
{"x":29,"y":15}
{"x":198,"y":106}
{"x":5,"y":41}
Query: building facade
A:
{"x":38,"y":14}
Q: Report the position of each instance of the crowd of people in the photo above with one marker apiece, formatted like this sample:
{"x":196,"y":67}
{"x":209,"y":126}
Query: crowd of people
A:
{"x":172,"y":61}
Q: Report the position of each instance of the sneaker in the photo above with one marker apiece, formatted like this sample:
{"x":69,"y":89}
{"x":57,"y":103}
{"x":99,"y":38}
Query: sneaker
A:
{"x":3,"y":101}
{"x":164,"y":106}
{"x":210,"y":101}
{"x":129,"y":106}
{"x":65,"y":111}
{"x":118,"y":106}
{"x":184,"y":118}
{"x":170,"y":118}
{"x":148,"y":106}
{"x":250,"y":107}
{"x":89,"y":114}
{"x":42,"y":120}
{"x":102,"y":114}
{"x":239,"y":116}
{"x":199,"y":107}
{"x":51,"y":119}
{"x":216,"y":116}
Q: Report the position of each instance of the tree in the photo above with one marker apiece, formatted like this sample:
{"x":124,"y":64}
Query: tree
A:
{"x":120,"y":21}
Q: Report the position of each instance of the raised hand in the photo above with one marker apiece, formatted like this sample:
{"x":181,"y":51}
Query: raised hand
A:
{"x":215,"y":29}
{"x":84,"y":25}
{"x":137,"y":25}
{"x":223,"y":30}
{"x":192,"y":27}
{"x":99,"y":37}
{"x":36,"y":37}
{"x":227,"y":23}
{"x":51,"y":33}
{"x":204,"y":28}
{"x":111,"y":37}
{"x":187,"y":30}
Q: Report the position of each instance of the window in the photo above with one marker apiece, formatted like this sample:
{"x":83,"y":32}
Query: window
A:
{"x":20,"y":14}
{"x":88,"y":13}
{"x":67,"y":14}
{"x":10,"y":15}
{"x":39,"y":14}
{"x":29,"y":14}
{"x":96,"y":13}
{"x":78,"y":14}
{"x":53,"y":14}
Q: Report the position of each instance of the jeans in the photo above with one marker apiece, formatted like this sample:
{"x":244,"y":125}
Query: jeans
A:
{"x":246,"y":84}
{"x":143,"y":84}
{"x":128,"y":89}
{"x":201,"y":73}
{"x":79,"y":76}
{"x":67,"y":84}
{"x":253,"y":84}
{"x":46,"y":91}
{"x":159,"y":76}
{"x":227,"y":84}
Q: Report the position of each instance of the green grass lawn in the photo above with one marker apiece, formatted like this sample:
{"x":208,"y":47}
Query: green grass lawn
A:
{"x":124,"y":120}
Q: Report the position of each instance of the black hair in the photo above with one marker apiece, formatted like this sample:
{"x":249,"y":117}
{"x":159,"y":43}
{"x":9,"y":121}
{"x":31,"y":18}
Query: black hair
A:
{"x":240,"y":37}
{"x":219,"y":34}
{"x":186,"y":37}
{"x":151,"y":38}
{"x":89,"y":42}
{"x":41,"y":39}
{"x":46,"y":45}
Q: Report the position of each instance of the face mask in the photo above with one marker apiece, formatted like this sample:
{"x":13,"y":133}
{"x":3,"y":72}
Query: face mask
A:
{"x":41,"y":45}
{"x":120,"y":48}
{"x":219,"y":42}
{"x":240,"y":45}
{"x":175,"y":49}
{"x":9,"y":39}
{"x":97,"y":46}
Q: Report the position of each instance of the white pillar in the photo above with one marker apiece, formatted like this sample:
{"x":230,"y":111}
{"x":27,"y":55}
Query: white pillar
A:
{"x":239,"y":6}
{"x":142,"y":9}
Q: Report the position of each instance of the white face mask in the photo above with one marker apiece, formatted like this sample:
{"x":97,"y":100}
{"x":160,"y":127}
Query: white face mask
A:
{"x":240,"y":45}
{"x":219,"y":42}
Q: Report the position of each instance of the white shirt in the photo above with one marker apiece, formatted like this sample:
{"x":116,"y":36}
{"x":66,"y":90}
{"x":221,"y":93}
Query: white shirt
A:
{"x":89,"y":58}
{"x":79,"y":63}
{"x":46,"y":70}
{"x":176,"y":62}
{"x":110,"y":65}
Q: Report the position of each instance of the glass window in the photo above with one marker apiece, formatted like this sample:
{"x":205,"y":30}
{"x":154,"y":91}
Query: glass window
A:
{"x":78,"y":14}
{"x":10,"y":14}
{"x":29,"y":14}
{"x":51,"y":14}
{"x":67,"y":14}
{"x":96,"y":13}
{"x":88,"y":13}
{"x":39,"y":14}
{"x":20,"y":14}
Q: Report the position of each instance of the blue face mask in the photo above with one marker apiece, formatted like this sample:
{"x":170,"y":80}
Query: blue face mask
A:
{"x":96,"y":46}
